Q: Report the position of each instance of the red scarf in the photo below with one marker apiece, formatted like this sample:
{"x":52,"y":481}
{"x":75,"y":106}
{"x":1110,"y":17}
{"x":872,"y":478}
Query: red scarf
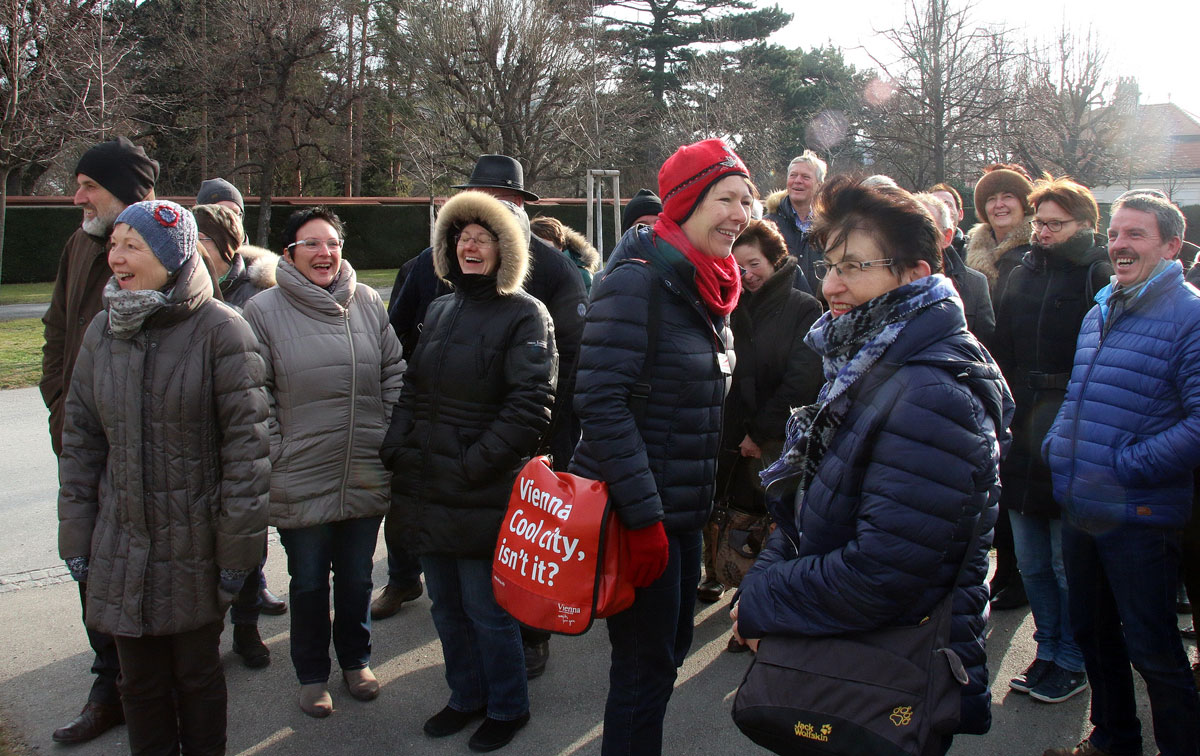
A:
{"x":717,"y":278}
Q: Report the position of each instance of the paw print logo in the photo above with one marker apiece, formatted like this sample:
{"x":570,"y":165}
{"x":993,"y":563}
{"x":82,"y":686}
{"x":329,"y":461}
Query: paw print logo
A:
{"x":826,"y":729}
{"x":901,"y":716}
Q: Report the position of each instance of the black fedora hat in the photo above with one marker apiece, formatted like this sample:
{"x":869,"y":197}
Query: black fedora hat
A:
{"x":498,"y":172}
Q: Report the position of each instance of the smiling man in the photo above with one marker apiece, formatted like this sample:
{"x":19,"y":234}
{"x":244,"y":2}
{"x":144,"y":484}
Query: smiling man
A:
{"x":1121,"y":454}
{"x":108,"y":177}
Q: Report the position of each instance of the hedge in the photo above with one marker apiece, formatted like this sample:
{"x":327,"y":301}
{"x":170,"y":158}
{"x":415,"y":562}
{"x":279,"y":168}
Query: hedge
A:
{"x":377,"y":236}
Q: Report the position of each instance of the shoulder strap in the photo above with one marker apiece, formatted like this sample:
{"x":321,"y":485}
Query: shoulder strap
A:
{"x":1089,"y":286}
{"x":639,"y":395}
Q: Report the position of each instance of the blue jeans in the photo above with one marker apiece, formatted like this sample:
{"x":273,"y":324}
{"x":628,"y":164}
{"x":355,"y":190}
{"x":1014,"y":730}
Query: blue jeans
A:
{"x":347,"y":548}
{"x":481,"y":643}
{"x":649,"y":642}
{"x":1123,"y":582}
{"x":247,"y":603}
{"x":1038,"y":543}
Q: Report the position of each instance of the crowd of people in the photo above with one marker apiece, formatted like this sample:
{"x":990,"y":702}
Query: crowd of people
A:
{"x":893,"y":395}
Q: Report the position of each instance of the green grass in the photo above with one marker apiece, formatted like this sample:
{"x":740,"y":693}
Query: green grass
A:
{"x":379,"y":279}
{"x":20,"y":353}
{"x":30,"y":293}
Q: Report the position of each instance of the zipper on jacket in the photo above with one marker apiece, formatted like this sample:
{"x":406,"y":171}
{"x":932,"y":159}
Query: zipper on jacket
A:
{"x":1037,"y":360}
{"x":350,"y":428}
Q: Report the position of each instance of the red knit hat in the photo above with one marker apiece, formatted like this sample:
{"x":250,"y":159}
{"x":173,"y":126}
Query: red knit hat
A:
{"x":691,"y":170}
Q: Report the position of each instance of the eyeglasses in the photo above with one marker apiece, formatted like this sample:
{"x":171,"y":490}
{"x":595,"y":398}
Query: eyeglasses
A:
{"x":847,"y":268}
{"x":312,"y":245}
{"x":203,"y":239}
{"x":480,"y":241}
{"x":1054,"y":225}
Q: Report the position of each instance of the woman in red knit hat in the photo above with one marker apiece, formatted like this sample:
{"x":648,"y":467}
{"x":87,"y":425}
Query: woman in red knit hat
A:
{"x":654,"y":368}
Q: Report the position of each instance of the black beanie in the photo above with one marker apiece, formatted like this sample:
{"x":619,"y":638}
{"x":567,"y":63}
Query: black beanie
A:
{"x":644,"y":202}
{"x":122,"y":168}
{"x":216,"y":190}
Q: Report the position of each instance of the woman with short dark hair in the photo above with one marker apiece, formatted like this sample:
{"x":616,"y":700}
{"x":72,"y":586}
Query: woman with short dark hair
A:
{"x":334,"y":372}
{"x":884,"y":479}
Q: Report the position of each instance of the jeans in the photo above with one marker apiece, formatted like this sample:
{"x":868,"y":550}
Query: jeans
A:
{"x":173,"y":692}
{"x":106,"y":666}
{"x":1038,"y":542}
{"x":348,"y":547}
{"x":481,"y":643}
{"x":1123,"y":582}
{"x":649,"y":642}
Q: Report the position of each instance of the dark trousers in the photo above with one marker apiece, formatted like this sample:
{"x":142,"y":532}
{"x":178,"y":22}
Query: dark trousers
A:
{"x":107,"y":664}
{"x":247,"y":604}
{"x":173,"y":690}
{"x":649,"y":642}
{"x":346,"y":547}
{"x":1191,"y":561}
{"x":403,"y":566}
{"x":1122,"y":586}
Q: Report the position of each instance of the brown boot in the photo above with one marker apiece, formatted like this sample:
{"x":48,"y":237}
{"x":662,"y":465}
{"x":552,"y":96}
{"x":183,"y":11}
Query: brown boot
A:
{"x":392,"y":597}
{"x":361,"y":683}
{"x":315,"y":700}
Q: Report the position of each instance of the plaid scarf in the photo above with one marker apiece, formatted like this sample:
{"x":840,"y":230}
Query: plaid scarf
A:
{"x":127,"y":310}
{"x":849,"y":346}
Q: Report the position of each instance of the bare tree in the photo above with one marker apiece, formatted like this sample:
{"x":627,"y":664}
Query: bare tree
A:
{"x":943,"y":90}
{"x":1066,"y":128}
{"x":57,"y":82}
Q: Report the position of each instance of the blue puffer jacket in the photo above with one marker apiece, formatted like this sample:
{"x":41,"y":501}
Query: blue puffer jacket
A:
{"x":887,"y":518}
{"x":1127,"y":438}
{"x":663,"y":467}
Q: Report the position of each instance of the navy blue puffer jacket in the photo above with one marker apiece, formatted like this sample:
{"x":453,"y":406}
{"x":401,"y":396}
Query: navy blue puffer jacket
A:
{"x":661,"y":466}
{"x":1127,"y":438}
{"x":887,"y":518}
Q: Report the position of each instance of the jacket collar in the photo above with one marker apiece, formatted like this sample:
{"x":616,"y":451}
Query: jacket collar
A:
{"x":313,"y":299}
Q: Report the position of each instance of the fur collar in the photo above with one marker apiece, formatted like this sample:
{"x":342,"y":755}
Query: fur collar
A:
{"x":586,"y":252}
{"x":983,"y":251}
{"x":771,"y":204}
{"x":477,"y":207}
{"x":260,"y":265}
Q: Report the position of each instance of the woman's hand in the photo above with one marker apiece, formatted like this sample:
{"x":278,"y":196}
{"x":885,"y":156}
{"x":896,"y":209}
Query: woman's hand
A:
{"x":749,"y":449}
{"x":751,"y":642}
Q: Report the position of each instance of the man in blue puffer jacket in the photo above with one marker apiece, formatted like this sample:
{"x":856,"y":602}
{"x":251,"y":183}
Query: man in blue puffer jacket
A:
{"x":1121,"y":454}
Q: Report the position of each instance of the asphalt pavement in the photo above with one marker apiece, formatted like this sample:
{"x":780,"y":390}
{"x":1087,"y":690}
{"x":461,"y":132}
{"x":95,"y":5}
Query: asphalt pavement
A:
{"x":45,"y":660}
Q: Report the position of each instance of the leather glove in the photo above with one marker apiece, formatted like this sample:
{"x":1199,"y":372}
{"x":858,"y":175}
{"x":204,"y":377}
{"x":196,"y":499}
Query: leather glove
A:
{"x":648,"y":554}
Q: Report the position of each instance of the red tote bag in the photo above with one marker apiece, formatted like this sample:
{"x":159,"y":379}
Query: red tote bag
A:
{"x":561,"y":554}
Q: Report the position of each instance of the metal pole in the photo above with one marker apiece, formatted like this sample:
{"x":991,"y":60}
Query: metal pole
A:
{"x":590,"y":179}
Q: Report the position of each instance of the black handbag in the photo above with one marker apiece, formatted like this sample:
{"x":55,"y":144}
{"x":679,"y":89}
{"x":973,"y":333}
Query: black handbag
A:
{"x":883,"y":692}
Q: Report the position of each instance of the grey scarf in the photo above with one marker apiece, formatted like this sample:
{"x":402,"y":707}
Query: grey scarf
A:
{"x":127,"y":310}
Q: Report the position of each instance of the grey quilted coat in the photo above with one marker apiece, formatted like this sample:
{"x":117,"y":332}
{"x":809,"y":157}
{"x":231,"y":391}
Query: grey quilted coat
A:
{"x":164,"y":468}
{"x":334,"y":371}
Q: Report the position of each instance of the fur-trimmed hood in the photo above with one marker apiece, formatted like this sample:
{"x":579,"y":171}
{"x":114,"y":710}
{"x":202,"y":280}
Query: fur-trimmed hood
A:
{"x":588,"y":257}
{"x":771,"y":203}
{"x":260,"y":265}
{"x":477,"y":207}
{"x":983,"y":251}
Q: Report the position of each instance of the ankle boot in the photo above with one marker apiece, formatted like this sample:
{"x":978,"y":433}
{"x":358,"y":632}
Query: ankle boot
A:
{"x":248,"y":645}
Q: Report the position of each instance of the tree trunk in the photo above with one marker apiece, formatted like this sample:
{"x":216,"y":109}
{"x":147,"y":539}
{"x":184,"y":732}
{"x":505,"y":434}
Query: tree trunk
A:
{"x":3,"y":214}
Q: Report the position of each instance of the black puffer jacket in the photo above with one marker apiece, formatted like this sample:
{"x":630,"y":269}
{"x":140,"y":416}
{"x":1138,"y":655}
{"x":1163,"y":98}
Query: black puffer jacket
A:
{"x":660,"y":466}
{"x":776,"y":370}
{"x":1037,"y":324}
{"x":477,"y":394}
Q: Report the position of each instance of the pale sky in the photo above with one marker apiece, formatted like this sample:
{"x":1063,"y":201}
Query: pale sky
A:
{"x":1159,"y":44}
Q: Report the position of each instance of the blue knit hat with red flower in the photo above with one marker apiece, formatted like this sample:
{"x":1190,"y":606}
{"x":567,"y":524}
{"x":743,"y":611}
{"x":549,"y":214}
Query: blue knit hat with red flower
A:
{"x":167,"y":228}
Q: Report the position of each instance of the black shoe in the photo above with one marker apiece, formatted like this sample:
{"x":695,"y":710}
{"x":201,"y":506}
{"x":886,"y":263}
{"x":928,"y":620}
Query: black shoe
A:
{"x":95,"y":720}
{"x":392,"y":597}
{"x":1033,"y":674}
{"x":248,"y":645}
{"x":496,"y":733}
{"x":1011,"y":596}
{"x":710,"y":591}
{"x":269,"y":603}
{"x":1058,"y":685}
{"x":449,"y":721}
{"x":536,"y":656}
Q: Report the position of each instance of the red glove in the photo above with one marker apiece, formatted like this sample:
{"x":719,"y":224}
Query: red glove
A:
{"x":648,"y":553}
